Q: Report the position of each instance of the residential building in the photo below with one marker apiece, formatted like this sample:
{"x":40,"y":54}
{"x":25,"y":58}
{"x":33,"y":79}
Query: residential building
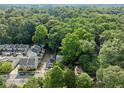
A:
{"x":9,"y":49}
{"x":29,"y":63}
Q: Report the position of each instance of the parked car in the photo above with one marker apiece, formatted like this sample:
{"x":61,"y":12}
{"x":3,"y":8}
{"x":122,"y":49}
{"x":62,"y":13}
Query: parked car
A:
{"x":22,"y":74}
{"x":31,"y":73}
{"x":50,"y":64}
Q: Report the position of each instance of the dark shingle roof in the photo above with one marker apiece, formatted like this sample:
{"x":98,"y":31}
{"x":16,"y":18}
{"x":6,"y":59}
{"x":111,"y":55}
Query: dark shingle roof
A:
{"x":31,"y":61}
{"x":23,"y":61}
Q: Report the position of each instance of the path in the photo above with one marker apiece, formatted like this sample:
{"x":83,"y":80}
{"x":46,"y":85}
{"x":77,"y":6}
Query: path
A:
{"x":12,"y":77}
{"x":43,"y":64}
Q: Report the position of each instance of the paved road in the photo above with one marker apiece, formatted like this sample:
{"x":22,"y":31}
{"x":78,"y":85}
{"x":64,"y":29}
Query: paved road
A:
{"x":12,"y":78}
{"x":43,"y":64}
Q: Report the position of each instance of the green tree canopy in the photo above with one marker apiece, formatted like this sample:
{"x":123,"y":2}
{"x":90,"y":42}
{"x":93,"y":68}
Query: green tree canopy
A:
{"x":40,"y":35}
{"x":2,"y":82}
{"x":69,"y":78}
{"x":34,"y":83}
{"x":6,"y":67}
{"x":110,"y":77}
{"x":84,"y":81}
{"x":89,"y":63}
{"x":71,"y":48}
{"x":112,"y":53}
{"x":54,"y":78}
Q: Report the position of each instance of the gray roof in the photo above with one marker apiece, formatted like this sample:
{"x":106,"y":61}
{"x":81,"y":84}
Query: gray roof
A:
{"x":23,"y":61}
{"x":58,"y":57}
{"x":14,"y":46}
{"x":31,"y":54}
{"x":36,"y":48}
{"x":31,"y":61}
{"x":27,"y":61}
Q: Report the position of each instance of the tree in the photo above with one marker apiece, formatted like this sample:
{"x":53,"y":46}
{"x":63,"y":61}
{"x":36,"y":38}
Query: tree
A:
{"x":84,"y":81}
{"x":56,"y":34}
{"x":47,"y":80}
{"x":71,"y":48}
{"x":2,"y":82}
{"x":110,"y":35}
{"x":85,"y":34}
{"x":69,"y":78}
{"x":110,"y":77}
{"x":33,"y":83}
{"x":112,"y":53}
{"x":54,"y":78}
{"x":77,"y":43}
{"x":4,"y":37}
{"x":6,"y":67}
{"x":59,"y":64}
{"x":89,"y":63}
{"x":40,"y":35}
{"x":40,"y":81}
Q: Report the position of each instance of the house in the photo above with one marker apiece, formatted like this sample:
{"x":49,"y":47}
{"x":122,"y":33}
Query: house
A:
{"x":40,"y":51}
{"x":28,"y":63}
{"x":10,"y":49}
{"x":7,"y":49}
{"x":6,"y":53}
{"x":16,"y":49}
{"x":37,"y":49}
{"x":21,"y":49}
{"x":23,"y":63}
{"x":33,"y":62}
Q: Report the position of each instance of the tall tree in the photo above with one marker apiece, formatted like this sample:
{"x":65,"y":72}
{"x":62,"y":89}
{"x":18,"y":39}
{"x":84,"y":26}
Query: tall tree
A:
{"x":54,"y":78}
{"x":40,"y":35}
{"x":112,"y":53}
{"x":69,"y":78}
{"x":110,"y":77}
{"x":84,"y":81}
{"x":71,"y":48}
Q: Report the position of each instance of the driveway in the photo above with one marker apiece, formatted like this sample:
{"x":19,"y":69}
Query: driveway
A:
{"x":43,"y":64}
{"x":13,"y":80}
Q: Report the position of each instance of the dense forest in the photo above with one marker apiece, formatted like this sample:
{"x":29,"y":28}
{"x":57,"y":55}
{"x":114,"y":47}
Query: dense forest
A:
{"x":91,"y":37}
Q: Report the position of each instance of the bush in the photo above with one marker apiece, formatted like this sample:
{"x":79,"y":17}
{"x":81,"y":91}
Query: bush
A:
{"x":34,"y":83}
{"x":2,"y":82}
{"x":59,"y":64}
{"x":84,"y":81}
{"x":6,"y":67}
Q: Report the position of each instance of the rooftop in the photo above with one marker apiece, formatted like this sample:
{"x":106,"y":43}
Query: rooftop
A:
{"x":23,"y":61}
{"x":59,"y":57}
{"x":31,"y":61}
